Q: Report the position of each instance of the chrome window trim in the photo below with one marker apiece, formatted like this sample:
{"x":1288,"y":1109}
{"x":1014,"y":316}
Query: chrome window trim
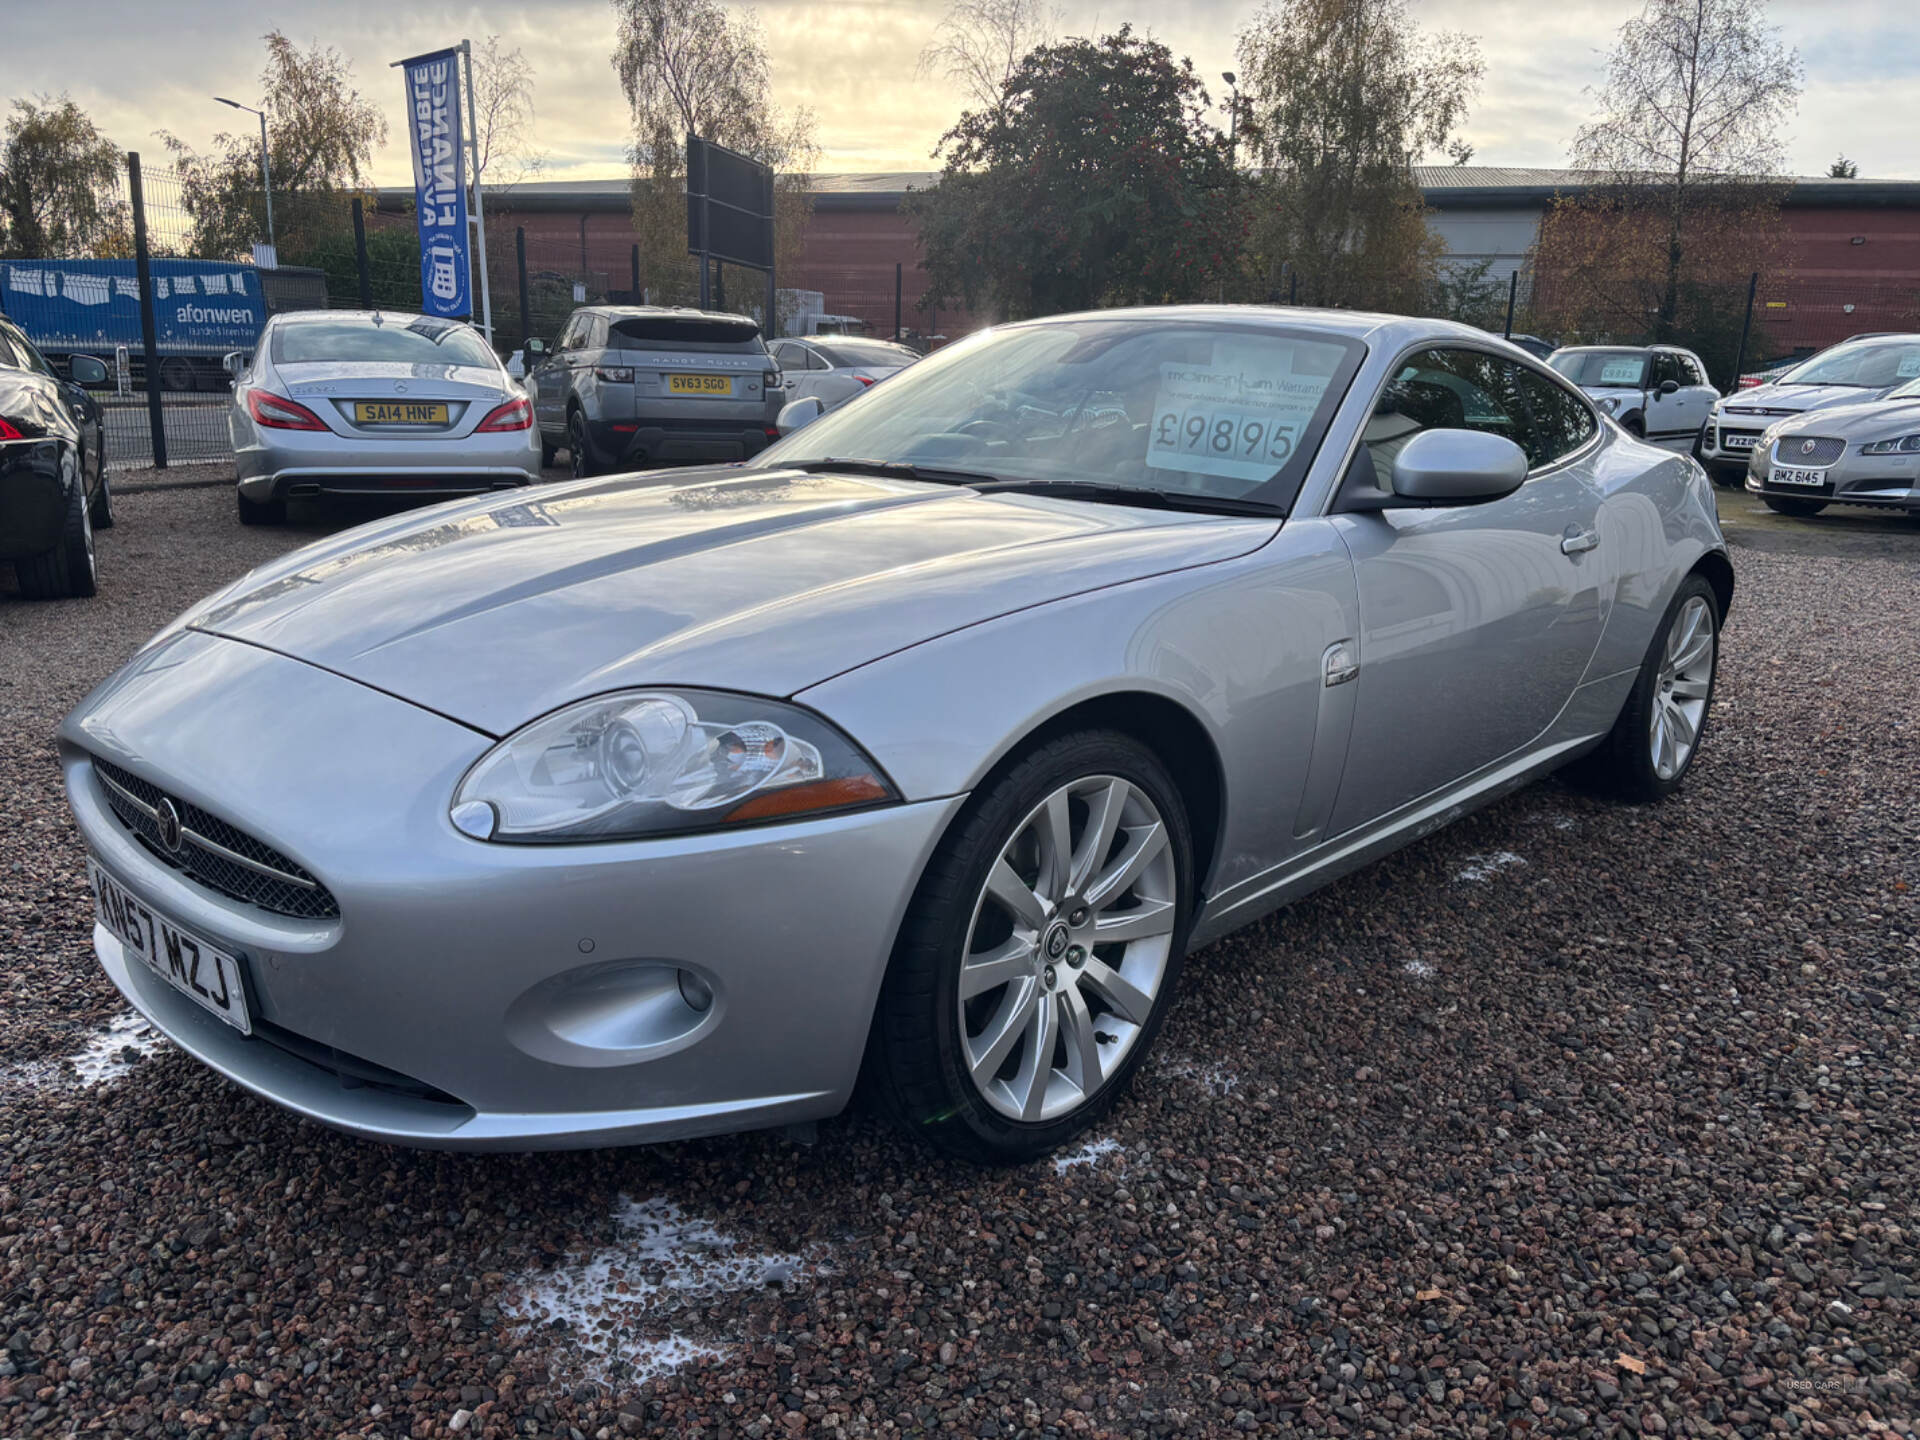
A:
{"x":1449,"y":342}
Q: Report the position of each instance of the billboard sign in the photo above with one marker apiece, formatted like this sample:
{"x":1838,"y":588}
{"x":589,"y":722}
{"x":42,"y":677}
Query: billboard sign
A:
{"x":200,"y":307}
{"x":729,"y":205}
{"x":439,"y":182}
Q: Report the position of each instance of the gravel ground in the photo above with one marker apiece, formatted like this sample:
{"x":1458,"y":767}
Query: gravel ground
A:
{"x":1574,"y":1119}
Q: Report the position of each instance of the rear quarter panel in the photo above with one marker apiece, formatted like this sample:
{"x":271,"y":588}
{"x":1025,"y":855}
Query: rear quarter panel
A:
{"x":1657,"y":518}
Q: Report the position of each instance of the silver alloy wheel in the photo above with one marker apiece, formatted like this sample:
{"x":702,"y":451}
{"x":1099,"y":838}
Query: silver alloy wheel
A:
{"x":1067,"y":948}
{"x":1686,"y":675}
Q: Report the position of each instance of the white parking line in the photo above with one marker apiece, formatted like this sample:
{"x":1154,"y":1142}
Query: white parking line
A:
{"x":617,"y":1305}
{"x":100,"y":1061}
{"x":1091,"y":1153}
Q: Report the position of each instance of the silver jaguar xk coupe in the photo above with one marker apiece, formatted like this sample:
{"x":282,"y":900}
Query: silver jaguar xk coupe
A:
{"x":923,"y":749}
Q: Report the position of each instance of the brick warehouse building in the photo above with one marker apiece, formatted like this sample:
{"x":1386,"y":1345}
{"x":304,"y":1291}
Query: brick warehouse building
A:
{"x":1855,"y":244}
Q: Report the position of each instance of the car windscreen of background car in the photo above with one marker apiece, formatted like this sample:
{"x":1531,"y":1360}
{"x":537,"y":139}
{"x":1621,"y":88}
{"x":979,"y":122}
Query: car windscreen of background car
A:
{"x":1598,"y":368}
{"x":878,"y":354}
{"x":420,"y":342}
{"x":1866,"y":364}
{"x":1228,"y":410}
{"x":685,"y":332}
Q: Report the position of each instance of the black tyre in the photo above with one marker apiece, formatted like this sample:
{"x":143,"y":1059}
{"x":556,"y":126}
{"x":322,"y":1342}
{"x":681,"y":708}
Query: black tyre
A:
{"x":101,"y":511}
{"x":1040,"y":952}
{"x":261,"y":512}
{"x":1783,"y":505}
{"x":68,"y":569}
{"x":580,"y":447}
{"x":1658,"y":734}
{"x":548,"y":452}
{"x":1635,"y":427}
{"x":176,"y":373}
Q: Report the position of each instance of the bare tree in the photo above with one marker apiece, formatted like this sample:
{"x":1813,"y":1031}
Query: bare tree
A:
{"x":979,"y":44}
{"x":59,"y":182}
{"x":503,"y":115}
{"x":695,"y":67}
{"x":1691,"y":120}
{"x":1341,"y":98}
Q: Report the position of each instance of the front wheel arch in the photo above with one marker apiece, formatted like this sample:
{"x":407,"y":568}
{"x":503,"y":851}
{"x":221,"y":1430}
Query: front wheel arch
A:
{"x":1178,"y":740}
{"x":1718,"y":571}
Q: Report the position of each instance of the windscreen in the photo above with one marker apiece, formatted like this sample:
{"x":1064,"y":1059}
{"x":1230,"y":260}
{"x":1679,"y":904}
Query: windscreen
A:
{"x":421,"y":341}
{"x":653,"y":331}
{"x":1862,"y":364}
{"x":876,"y":353}
{"x":1222,"y":410}
{"x":1596,"y":369}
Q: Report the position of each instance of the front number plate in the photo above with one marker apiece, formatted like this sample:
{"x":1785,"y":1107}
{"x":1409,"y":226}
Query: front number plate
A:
{"x":699,"y":385}
{"x":1787,"y":475}
{"x":1737,"y":442}
{"x":203,"y":973}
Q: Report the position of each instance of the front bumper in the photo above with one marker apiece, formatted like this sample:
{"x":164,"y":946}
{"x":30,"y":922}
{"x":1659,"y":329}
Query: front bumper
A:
{"x":1889,"y":482}
{"x":484,"y":996}
{"x":1726,"y":444}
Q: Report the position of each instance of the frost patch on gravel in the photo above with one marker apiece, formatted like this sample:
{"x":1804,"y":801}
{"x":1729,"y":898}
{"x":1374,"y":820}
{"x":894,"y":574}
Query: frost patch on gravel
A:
{"x":1419,"y":969}
{"x":1091,"y":1153}
{"x":615,"y":1308}
{"x":101,"y":1060}
{"x":1212,"y":1076}
{"x":1485,"y":867}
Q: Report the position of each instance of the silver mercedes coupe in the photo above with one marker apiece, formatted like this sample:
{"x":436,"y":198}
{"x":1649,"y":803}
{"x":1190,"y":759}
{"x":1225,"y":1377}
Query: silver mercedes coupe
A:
{"x":920,"y":752}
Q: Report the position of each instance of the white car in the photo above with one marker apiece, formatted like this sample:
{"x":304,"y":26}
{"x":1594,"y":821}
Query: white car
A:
{"x":836,"y":369}
{"x":1847,"y":374}
{"x":1659,"y":393}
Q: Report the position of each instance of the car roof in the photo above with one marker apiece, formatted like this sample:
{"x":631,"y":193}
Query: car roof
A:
{"x":1354,"y":324}
{"x":677,"y":312}
{"x":387,"y":317}
{"x":1631,"y":349}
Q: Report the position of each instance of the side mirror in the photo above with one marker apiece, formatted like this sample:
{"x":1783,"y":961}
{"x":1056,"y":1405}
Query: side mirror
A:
{"x":234,"y":362}
{"x":1451,"y":467}
{"x":1667,"y":387}
{"x":799,"y":413}
{"x":87,"y":370}
{"x":1439,"y":467}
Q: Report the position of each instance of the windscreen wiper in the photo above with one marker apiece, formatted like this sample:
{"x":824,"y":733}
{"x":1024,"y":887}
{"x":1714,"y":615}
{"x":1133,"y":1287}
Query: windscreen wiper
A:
{"x":1136,"y":495}
{"x":897,"y":470}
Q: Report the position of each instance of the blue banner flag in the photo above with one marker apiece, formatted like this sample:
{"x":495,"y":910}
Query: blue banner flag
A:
{"x":439,"y":187}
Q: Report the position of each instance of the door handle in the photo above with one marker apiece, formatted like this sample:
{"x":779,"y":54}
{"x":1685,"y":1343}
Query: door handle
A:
{"x":1339,"y":664}
{"x":1576,"y":542}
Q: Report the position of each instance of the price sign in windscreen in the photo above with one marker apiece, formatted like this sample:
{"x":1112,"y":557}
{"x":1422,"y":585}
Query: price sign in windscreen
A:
{"x":1242,"y":416}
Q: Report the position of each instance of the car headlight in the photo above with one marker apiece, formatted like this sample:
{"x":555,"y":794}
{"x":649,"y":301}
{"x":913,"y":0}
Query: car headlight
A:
{"x":659,"y":762}
{"x":1610,"y":403}
{"x":1905,"y":445}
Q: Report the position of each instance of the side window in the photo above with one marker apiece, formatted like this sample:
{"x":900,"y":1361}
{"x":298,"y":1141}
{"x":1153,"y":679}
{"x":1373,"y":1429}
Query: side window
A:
{"x":570,"y":337}
{"x":783,"y":356}
{"x":1664,"y":368}
{"x":1446,"y":390}
{"x":9,"y":357}
{"x":1561,"y":423}
{"x":1696,"y":372}
{"x":816,"y":361}
{"x":596,"y":336}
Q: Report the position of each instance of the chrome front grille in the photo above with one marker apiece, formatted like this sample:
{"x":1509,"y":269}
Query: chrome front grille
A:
{"x":1808,"y":450}
{"x":208,"y":849}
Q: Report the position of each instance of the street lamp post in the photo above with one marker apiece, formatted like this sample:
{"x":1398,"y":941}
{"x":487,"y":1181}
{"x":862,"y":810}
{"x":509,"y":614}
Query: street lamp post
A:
{"x":266,"y":166}
{"x":1233,"y":116}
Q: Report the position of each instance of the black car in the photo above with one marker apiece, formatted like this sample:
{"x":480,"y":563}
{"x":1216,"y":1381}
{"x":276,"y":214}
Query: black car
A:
{"x":53,"y":469}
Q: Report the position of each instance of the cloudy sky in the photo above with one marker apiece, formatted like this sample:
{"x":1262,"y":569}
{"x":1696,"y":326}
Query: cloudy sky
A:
{"x":140,"y":67}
